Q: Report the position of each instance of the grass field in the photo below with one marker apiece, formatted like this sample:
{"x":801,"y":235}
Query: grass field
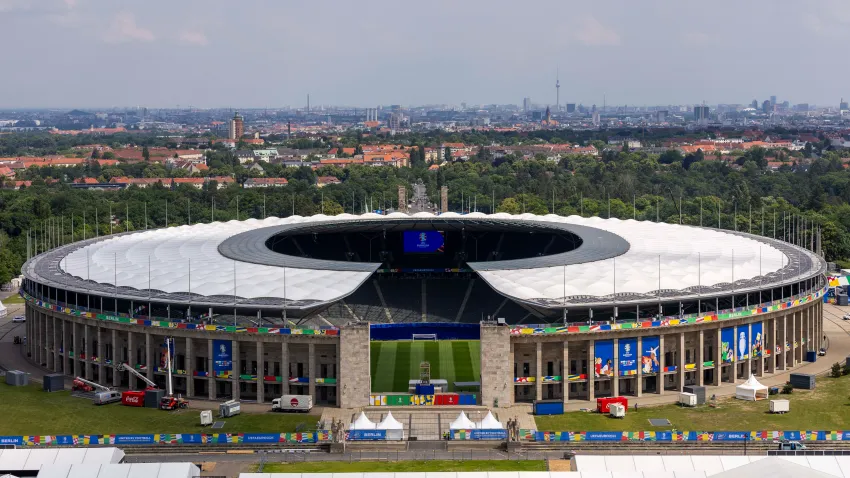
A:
{"x":13,"y":299}
{"x":31,"y":411}
{"x":405,"y":466}
{"x":395,"y":363}
{"x":825,"y":408}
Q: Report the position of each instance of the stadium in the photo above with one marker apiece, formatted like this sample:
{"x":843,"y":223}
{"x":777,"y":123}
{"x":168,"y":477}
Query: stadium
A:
{"x":328,"y":305}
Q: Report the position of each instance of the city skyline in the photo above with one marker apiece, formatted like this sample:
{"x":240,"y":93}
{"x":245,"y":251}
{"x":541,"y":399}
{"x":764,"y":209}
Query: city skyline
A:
{"x":98,"y":54}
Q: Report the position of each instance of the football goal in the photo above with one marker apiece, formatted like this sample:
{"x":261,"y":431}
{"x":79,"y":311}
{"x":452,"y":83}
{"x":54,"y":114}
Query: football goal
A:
{"x":424,"y":337}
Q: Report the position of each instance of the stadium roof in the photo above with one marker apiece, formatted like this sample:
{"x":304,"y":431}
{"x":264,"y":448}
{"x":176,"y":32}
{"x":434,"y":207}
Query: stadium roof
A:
{"x":617,"y":262}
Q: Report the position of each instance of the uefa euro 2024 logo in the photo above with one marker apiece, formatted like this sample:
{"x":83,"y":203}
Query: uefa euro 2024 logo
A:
{"x":423,"y":241}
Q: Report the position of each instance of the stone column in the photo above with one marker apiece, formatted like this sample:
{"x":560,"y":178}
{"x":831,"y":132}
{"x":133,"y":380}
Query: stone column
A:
{"x":591,"y":370}
{"x":260,"y":381}
{"x":116,"y":378}
{"x":615,"y":388}
{"x":512,"y":365}
{"x":718,"y":357}
{"x":87,"y":346}
{"x":680,"y":368}
{"x":57,"y":344}
{"x":566,"y":372}
{"x":131,"y":359}
{"x":354,"y":383}
{"x":237,"y":369}
{"x":78,"y":346}
{"x":661,"y":365}
{"x":639,"y":367}
{"x":538,"y":380}
{"x":793,"y":338}
{"x":190,"y":368}
{"x":210,"y":370}
{"x":770,"y":345}
{"x":311,"y":369}
{"x":101,"y":358}
{"x":700,"y":358}
{"x":284,"y":369}
{"x":338,"y":365}
{"x":150,"y":363}
{"x":784,"y":343}
{"x":66,"y":342}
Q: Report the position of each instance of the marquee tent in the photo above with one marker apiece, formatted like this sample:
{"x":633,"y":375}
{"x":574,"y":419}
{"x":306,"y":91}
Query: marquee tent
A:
{"x":394,"y":429}
{"x":462,"y":422}
{"x":362,"y":423}
{"x":751,"y":390}
{"x":490,"y":423}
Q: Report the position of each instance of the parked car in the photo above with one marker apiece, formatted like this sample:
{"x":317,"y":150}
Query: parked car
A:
{"x":19,"y":319}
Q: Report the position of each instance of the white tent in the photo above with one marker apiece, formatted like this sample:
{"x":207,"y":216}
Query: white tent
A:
{"x":490,"y":423}
{"x":394,"y":429}
{"x":751,"y":390}
{"x":3,"y":310}
{"x":363,"y":423}
{"x":462,"y":422}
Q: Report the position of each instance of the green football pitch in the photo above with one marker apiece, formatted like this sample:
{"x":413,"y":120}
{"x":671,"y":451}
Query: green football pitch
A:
{"x":394,"y":363}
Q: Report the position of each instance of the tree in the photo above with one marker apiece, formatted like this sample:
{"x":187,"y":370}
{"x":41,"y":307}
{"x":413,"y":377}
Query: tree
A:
{"x":146,"y":154}
{"x":807,"y":150}
{"x":95,"y":154}
{"x":670,"y":156}
{"x":109,"y":155}
{"x":447,"y":154}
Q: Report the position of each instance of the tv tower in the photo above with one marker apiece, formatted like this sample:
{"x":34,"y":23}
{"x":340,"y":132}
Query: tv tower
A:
{"x":558,"y":89}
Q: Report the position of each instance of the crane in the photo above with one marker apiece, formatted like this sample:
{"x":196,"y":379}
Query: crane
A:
{"x":81,"y":384}
{"x":122,"y":367}
{"x":169,"y":401}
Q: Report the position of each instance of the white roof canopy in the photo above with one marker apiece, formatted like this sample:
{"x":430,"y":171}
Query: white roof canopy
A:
{"x":751,"y":390}
{"x":363,"y":423}
{"x":490,"y":423}
{"x":390,"y":423}
{"x":462,"y":422}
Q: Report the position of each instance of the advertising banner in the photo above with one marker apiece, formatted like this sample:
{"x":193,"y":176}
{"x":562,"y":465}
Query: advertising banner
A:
{"x":368,"y":435}
{"x":742,"y":347}
{"x":727,"y":345}
{"x":134,"y":440}
{"x":628,"y":357}
{"x":731,"y":436}
{"x":649,"y":355}
{"x":603,"y":436}
{"x":757,"y":340}
{"x":261,"y":438}
{"x":604,"y":358}
{"x":223,"y":356}
{"x":496,"y":434}
{"x":11,"y":440}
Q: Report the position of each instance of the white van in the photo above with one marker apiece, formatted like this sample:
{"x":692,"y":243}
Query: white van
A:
{"x":102,"y":398}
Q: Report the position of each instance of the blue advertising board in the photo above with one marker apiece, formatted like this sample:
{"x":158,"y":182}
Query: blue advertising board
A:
{"x":134,"y":440}
{"x":627,"y":357}
{"x":757,"y":340}
{"x":727,"y":345}
{"x":372,"y":435}
{"x":424,"y":242}
{"x":496,"y":434}
{"x":223,"y":356}
{"x":603,"y":436}
{"x":12,"y":440}
{"x":731,"y":436}
{"x":742,"y":347}
{"x":260,"y":438}
{"x":649,"y":354}
{"x":603,"y":361}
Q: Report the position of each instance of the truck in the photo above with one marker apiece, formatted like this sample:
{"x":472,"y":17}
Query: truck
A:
{"x":229,"y":408}
{"x":293,"y":403}
{"x":170,"y":401}
{"x":134,"y":398}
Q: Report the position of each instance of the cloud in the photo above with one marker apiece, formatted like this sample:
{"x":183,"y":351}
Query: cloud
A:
{"x":123,"y":28}
{"x":194,"y":37}
{"x":592,"y":33}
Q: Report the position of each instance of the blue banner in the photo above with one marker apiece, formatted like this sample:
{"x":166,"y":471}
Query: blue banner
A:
{"x":223,"y":356}
{"x":742,"y":347}
{"x":65,"y":440}
{"x":261,"y":438}
{"x":603,"y":436}
{"x":727,"y":345}
{"x":663,"y":436}
{"x":649,"y":354}
{"x":758,"y":340}
{"x":11,"y":440}
{"x":627,"y":357}
{"x":604,"y":358}
{"x":373,"y":435}
{"x":193,"y":439}
{"x":731,"y":436}
{"x":489,"y":434}
{"x":134,"y":440}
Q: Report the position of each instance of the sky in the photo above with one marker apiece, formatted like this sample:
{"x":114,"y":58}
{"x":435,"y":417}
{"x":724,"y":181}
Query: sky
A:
{"x":273,"y":53}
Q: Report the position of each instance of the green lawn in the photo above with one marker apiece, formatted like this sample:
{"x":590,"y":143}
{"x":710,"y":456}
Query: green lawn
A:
{"x":31,"y":411}
{"x":394,"y":363}
{"x":825,"y":408}
{"x":405,"y":466}
{"x":14,"y":299}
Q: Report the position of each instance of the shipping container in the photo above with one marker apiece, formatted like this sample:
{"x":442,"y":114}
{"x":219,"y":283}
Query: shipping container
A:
{"x":133,"y":398}
{"x":229,"y":408}
{"x":687,"y":399}
{"x":153,"y":398}
{"x":16,"y":378}
{"x":467,"y":399}
{"x":697,"y":390}
{"x":603,"y":404}
{"x":548,"y":407}
{"x":398,"y":400}
{"x":811,"y":356}
{"x":447,"y":399}
{"x":802,"y":380}
{"x":53,"y":382}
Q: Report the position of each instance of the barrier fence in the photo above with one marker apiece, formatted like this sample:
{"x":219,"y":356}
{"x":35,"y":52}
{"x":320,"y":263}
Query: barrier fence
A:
{"x":685,"y":436}
{"x":319,"y":436}
{"x":670,"y":321}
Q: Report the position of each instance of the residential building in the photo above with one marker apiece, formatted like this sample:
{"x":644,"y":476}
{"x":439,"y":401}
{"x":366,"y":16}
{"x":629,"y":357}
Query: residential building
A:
{"x":323,"y":181}
{"x":264,"y":182}
{"x":237,"y":127}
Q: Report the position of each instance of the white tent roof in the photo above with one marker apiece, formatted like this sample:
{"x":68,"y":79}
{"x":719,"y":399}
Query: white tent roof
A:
{"x":752,"y":384}
{"x":751,"y":390}
{"x":775,"y":467}
{"x":123,"y":470}
{"x":363,"y":423}
{"x":462,"y":422}
{"x":2,"y":307}
{"x":390,"y":423}
{"x":490,"y":423}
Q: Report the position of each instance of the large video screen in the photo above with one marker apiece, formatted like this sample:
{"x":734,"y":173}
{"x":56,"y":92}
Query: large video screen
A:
{"x":424,"y":242}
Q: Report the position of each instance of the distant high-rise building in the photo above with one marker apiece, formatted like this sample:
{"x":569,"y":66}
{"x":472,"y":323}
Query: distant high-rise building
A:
{"x":843,"y":105}
{"x":558,"y":91}
{"x":766,"y":106}
{"x":548,"y":116}
{"x":597,"y":120}
{"x":526,"y":104}
{"x":394,"y":121}
{"x":755,"y":104}
{"x":701,"y":114}
{"x":237,"y":127}
{"x":661,"y":116}
{"x":773,"y":99}
{"x":571,"y":107}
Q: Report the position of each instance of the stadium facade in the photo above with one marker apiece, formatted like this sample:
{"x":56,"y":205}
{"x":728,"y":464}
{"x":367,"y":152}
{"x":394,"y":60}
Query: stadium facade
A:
{"x":261,"y":308}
